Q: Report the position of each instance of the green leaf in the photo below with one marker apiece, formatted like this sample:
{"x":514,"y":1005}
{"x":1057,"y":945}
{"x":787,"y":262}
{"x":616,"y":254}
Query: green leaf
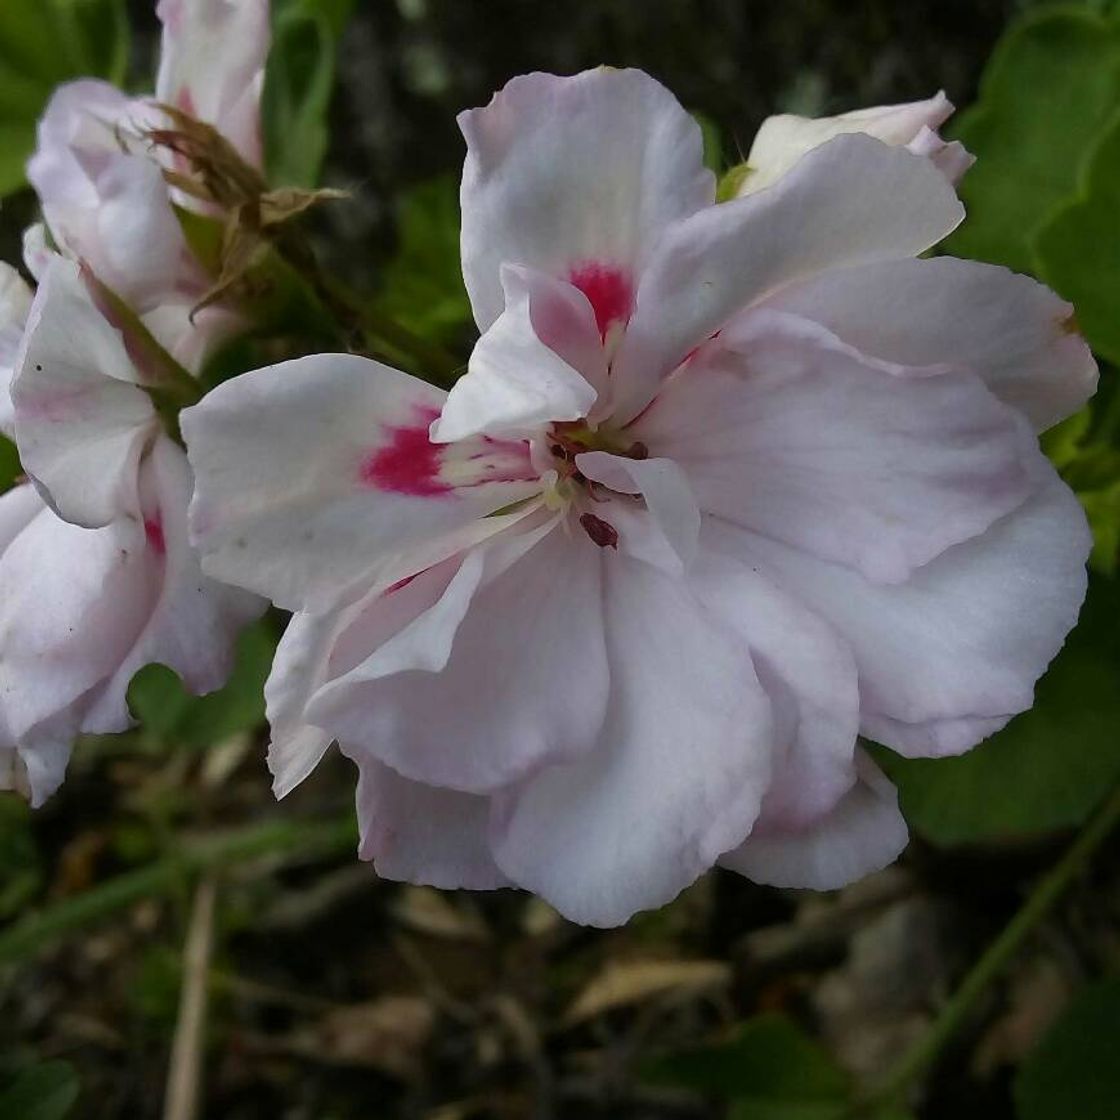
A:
{"x":1050,"y":89}
{"x":299,"y":81}
{"x":44,"y":43}
{"x":170,"y":715}
{"x":770,"y":1070}
{"x":43,"y":1092}
{"x":1077,"y":248}
{"x":1047,"y":769}
{"x":423,"y":287}
{"x":10,"y":468}
{"x":1073,"y":1072}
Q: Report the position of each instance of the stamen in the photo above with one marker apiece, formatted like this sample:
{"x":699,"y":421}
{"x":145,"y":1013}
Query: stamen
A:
{"x":603,"y":533}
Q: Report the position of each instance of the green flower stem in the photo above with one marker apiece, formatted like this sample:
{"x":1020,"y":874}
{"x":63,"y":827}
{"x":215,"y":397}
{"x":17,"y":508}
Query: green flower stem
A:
{"x":921,"y":1056}
{"x":317,"y":839}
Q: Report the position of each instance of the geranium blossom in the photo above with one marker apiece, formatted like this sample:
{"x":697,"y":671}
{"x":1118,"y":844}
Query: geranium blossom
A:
{"x":723,"y":486}
{"x":87,"y":601}
{"x":783,"y":139}
{"x":102,"y":191}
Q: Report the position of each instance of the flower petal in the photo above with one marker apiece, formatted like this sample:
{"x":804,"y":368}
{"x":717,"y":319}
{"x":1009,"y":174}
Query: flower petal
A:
{"x":82,"y":421}
{"x":572,"y":174}
{"x":211,"y":65}
{"x":946,"y":657}
{"x":784,"y":430}
{"x":315,"y":476}
{"x":506,"y":671}
{"x":865,"y":832}
{"x":783,"y":139}
{"x":514,"y":383}
{"x":1009,"y":330}
{"x":15,"y":302}
{"x":193,"y":621}
{"x":422,"y":834}
{"x":809,"y":675}
{"x":850,"y":201}
{"x":678,"y":773}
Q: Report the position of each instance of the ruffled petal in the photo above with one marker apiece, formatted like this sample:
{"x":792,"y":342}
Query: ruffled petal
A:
{"x":514,"y":383}
{"x":783,"y":139}
{"x":677,"y":776}
{"x":576,"y":177}
{"x":506,"y":671}
{"x":851,"y":201}
{"x":864,"y":833}
{"x":1009,"y":330}
{"x":422,"y":834}
{"x":809,"y":675}
{"x":784,"y":430}
{"x":317,"y":477}
{"x":952,"y":654}
{"x":82,"y":421}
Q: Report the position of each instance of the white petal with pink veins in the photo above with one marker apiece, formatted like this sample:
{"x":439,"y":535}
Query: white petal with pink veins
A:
{"x":954,"y":652}
{"x":317,"y":476}
{"x":808,"y":673}
{"x":506,"y":671}
{"x":783,"y":139}
{"x":576,"y":176}
{"x":676,"y":777}
{"x":82,"y":422}
{"x":783,"y":430}
{"x":850,"y":201}
{"x":422,"y":834}
{"x":1009,"y":330}
{"x":514,"y":383}
{"x":212,"y":58}
{"x":864,"y":833}
{"x":15,"y":302}
{"x":193,"y":621}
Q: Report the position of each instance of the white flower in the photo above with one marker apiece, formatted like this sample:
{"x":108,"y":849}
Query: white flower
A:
{"x":722,"y":487}
{"x":783,"y":139}
{"x":87,"y":601}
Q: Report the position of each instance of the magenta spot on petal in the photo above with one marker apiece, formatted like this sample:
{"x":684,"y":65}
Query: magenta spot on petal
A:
{"x":608,"y":290}
{"x":401,"y":583}
{"x":153,"y":530}
{"x":409,"y":463}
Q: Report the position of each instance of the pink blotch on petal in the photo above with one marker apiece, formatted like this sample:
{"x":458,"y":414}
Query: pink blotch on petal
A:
{"x":409,"y":463}
{"x":153,"y":530}
{"x":608,"y":290}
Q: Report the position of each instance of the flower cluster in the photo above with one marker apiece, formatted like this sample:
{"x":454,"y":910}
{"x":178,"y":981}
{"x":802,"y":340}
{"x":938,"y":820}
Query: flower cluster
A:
{"x":97,"y":574}
{"x":725,"y":485}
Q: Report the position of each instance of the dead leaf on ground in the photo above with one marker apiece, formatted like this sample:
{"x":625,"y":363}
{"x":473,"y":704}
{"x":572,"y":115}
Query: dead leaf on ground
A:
{"x":622,"y":983}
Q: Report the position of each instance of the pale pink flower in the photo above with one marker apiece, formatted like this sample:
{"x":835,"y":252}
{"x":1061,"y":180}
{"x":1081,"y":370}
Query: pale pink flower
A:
{"x":87,"y":601}
{"x":723,"y":486}
{"x":103,"y":193}
{"x":783,"y":139}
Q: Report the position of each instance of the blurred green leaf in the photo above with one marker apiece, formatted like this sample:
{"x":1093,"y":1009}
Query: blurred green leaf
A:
{"x":1078,"y":249}
{"x":770,"y":1070}
{"x":1049,"y":91}
{"x":44,"y":43}
{"x":1047,"y":769}
{"x":10,"y":468}
{"x":170,"y":715}
{"x":42,"y":1092}
{"x":1073,"y":1073}
{"x":19,"y":855}
{"x":423,"y":287}
{"x":299,"y":82}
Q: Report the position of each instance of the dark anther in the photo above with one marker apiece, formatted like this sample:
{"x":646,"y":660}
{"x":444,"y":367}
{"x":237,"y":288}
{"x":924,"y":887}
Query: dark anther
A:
{"x":603,"y":533}
{"x":638,"y":450}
